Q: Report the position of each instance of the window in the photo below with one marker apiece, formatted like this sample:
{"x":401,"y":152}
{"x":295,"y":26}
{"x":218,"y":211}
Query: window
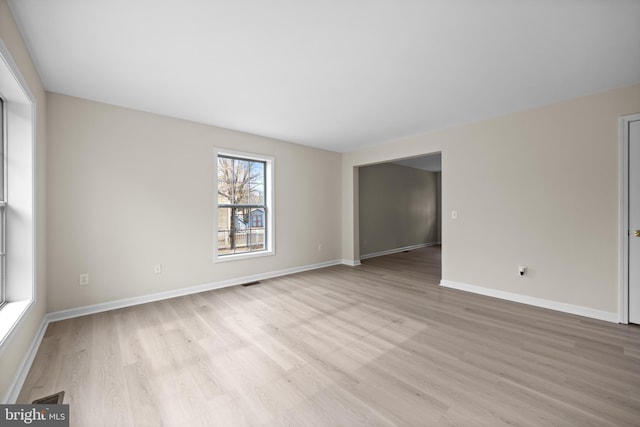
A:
{"x":244,"y":212}
{"x":17,"y":192}
{"x":3,"y":203}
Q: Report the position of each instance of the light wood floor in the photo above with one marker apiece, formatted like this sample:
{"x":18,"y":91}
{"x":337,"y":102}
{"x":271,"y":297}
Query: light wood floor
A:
{"x":379,"y":344}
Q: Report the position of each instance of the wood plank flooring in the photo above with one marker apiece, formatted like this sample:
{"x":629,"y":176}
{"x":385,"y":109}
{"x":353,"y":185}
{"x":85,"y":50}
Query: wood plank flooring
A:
{"x":380,"y":344}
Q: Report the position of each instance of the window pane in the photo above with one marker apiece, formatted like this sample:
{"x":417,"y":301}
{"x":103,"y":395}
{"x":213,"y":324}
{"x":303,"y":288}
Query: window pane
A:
{"x":2,"y":242}
{"x":2,"y":208}
{"x":2,"y":254}
{"x":240,"y":230}
{"x":257,"y":230}
{"x":256,"y":195}
{"x":225,"y":180}
{"x":241,"y":181}
{"x":1,"y":149}
{"x":224,"y":230}
{"x":239,"y":233}
{"x":242,"y":218}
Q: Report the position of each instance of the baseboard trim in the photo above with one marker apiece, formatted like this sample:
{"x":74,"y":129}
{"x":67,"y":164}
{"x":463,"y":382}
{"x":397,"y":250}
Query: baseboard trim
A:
{"x":129,"y":302}
{"x":21,"y":375}
{"x":350,"y":262}
{"x":14,"y":390}
{"x":396,"y":250}
{"x":537,"y":302}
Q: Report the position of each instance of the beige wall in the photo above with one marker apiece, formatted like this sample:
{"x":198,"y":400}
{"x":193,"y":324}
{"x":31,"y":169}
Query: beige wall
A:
{"x":398,"y":207}
{"x":538,"y":188}
{"x":15,"y":350}
{"x":128,"y":190}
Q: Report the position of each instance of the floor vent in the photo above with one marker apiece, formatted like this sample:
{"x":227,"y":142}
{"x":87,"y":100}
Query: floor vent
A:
{"x":257,"y":282}
{"x":54,"y":399}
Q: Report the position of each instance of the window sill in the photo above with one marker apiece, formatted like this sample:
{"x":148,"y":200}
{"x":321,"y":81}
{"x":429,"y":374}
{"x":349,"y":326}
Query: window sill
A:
{"x":10,"y":315}
{"x":238,"y":257}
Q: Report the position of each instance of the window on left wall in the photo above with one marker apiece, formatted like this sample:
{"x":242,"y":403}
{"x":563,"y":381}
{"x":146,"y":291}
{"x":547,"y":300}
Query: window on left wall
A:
{"x":17,"y":197}
{"x":3,"y":203}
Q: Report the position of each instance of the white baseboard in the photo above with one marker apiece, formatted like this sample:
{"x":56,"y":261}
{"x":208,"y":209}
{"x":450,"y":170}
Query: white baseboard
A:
{"x":351,"y":262}
{"x":21,"y":375}
{"x":537,"y":302}
{"x":396,"y":250}
{"x":14,"y":390}
{"x":128,"y":302}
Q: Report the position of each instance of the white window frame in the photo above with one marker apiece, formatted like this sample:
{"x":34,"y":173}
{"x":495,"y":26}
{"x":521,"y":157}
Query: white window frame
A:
{"x":20,"y":239}
{"x":269,"y":205}
{"x":3,"y":200}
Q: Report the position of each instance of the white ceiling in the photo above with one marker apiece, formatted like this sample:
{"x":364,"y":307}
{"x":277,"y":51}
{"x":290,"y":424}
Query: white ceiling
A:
{"x":334,"y":74}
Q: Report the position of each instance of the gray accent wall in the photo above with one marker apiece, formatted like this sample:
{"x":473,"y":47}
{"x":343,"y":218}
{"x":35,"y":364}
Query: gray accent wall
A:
{"x":398,"y":208}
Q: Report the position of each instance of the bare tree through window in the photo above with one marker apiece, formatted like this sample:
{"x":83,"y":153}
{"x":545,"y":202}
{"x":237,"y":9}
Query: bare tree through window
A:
{"x":241,"y":205}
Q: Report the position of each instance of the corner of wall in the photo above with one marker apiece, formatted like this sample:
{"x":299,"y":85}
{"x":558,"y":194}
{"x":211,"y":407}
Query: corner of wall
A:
{"x":14,"y":356}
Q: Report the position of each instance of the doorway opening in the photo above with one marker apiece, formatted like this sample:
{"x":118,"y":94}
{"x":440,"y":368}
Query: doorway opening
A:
{"x":400,"y":209}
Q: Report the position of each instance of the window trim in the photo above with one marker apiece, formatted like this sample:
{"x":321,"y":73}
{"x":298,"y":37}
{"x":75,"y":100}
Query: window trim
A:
{"x":3,"y":200}
{"x":20,"y":283}
{"x":268,"y":203}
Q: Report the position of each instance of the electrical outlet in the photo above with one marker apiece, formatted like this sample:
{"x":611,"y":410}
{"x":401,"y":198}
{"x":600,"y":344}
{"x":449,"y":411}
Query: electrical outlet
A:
{"x":83,"y":279}
{"x":157,"y":269}
{"x":454,"y":214}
